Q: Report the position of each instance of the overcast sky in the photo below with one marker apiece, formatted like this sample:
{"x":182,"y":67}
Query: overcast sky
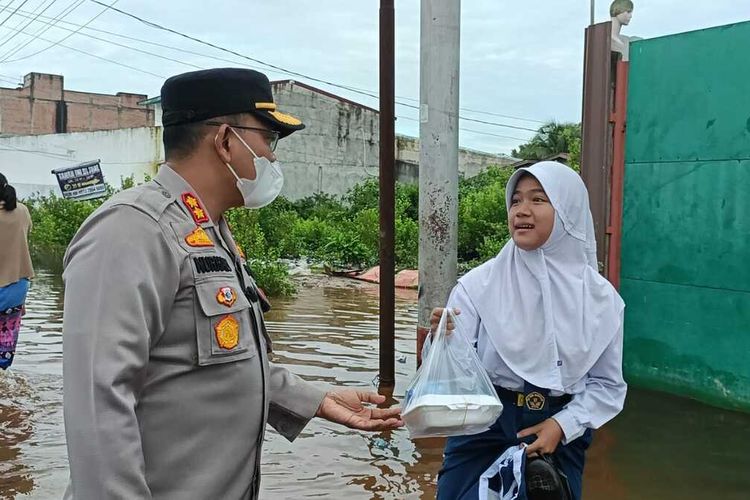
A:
{"x":518,"y":58}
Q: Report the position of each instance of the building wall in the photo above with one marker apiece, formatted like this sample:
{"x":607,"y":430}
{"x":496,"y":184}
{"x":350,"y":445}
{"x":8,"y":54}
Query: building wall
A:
{"x":43,"y":106}
{"x":339,"y":147}
{"x":27,"y":161}
{"x":470,"y":162}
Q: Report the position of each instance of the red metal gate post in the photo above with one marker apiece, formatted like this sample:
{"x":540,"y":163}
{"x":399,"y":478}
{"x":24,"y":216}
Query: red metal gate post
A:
{"x":619,"y":117}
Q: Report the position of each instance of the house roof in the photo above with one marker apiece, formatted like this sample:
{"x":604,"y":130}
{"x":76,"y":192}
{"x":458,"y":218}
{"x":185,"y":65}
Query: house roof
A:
{"x":561,"y":157}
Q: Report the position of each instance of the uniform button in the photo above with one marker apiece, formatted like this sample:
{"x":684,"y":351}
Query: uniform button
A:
{"x":165,"y":193}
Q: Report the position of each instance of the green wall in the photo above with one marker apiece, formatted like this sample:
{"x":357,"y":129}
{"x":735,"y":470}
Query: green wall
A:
{"x":686,"y":219}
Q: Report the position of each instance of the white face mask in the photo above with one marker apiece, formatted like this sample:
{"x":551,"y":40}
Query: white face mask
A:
{"x":266,"y":187}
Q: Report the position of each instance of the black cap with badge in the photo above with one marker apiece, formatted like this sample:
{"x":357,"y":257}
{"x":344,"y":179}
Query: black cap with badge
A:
{"x":200,"y":95}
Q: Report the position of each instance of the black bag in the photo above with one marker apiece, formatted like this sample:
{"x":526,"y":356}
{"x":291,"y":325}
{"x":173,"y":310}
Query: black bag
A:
{"x":545,"y":481}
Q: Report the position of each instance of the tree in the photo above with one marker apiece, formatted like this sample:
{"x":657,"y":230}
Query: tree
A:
{"x":553,"y":138}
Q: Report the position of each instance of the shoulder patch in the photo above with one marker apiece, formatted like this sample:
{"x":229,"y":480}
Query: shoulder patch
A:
{"x":199,"y":238}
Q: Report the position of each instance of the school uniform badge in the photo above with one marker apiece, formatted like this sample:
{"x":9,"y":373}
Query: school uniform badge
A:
{"x":198,"y":238}
{"x":226,"y":296}
{"x":534,"y":401}
{"x":195,"y":208}
{"x":227,"y":332}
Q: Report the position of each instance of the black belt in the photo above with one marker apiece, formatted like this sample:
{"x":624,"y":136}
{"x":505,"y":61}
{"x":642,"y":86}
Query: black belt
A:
{"x":519,"y":398}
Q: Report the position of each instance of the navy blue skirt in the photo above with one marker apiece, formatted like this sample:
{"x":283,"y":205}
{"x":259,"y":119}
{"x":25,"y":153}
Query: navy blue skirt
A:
{"x":467,"y":457}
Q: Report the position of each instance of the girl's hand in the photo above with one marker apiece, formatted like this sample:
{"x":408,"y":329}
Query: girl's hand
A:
{"x":548,"y":437}
{"x":437,"y":313}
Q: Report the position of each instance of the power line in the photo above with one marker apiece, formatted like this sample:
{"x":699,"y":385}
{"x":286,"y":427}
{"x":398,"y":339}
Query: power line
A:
{"x":7,"y":7}
{"x":280,"y":69}
{"x":59,"y":42}
{"x":490,"y":113}
{"x":284,"y":70}
{"x":11,"y":14}
{"x":186,"y":51}
{"x":12,"y":36}
{"x":492,"y":135}
{"x":195,"y":66}
{"x":12,"y":82}
{"x":470,"y":130}
{"x":64,"y":12}
{"x":217,"y":47}
{"x":81,"y":27}
{"x":497,"y":124}
{"x":126,"y":37}
{"x":125,"y":47}
{"x":104,"y":58}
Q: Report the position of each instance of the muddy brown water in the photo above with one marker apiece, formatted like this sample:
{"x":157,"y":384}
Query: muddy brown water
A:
{"x":660,"y":447}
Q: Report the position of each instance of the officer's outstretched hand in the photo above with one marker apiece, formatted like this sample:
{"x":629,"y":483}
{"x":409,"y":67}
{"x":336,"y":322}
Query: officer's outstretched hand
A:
{"x":345,"y":406}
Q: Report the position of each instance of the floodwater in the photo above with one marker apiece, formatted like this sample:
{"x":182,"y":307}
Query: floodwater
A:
{"x":661,"y":447}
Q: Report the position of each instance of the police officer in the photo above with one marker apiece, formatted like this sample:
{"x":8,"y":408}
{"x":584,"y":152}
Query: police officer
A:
{"x":167,"y":379}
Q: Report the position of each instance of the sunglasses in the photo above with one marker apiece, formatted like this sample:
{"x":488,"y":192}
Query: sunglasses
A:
{"x":271,"y":136}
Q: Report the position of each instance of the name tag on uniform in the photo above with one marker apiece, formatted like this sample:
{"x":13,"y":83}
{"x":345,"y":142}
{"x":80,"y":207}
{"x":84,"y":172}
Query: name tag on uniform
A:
{"x":211,"y":264}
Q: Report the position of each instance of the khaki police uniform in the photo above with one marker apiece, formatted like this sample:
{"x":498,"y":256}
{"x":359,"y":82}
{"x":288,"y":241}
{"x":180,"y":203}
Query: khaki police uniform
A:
{"x":167,"y":381}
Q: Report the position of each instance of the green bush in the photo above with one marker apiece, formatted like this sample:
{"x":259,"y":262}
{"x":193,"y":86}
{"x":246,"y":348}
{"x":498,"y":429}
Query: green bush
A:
{"x":367,"y":227}
{"x":311,"y":235}
{"x":344,"y":250}
{"x":272,"y":276}
{"x":319,"y":206}
{"x":277,"y":226}
{"x":363,"y":196}
{"x":341,"y":232}
{"x":481,"y":214}
{"x":56,"y":220}
{"x":407,"y":243}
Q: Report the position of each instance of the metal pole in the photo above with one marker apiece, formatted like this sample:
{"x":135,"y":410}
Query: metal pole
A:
{"x":618,"y":174}
{"x":438,"y":156}
{"x":593,"y":9}
{"x":387,"y":193}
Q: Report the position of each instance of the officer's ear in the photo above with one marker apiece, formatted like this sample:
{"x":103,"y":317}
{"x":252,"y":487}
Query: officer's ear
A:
{"x":221,"y":143}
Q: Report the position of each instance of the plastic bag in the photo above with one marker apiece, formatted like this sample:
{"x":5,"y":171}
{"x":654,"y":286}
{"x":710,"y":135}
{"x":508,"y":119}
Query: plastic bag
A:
{"x":451,"y":394}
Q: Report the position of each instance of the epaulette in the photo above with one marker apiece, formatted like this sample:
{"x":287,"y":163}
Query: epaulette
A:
{"x":150,"y":198}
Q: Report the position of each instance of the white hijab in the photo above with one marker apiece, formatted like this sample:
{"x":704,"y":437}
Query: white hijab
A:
{"x":548,"y":312}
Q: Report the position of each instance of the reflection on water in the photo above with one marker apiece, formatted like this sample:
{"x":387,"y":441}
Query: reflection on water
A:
{"x":661,"y":447}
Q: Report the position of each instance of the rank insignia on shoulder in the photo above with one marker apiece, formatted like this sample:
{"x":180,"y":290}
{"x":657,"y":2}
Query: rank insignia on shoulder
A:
{"x":198,"y":238}
{"x":226,"y":296}
{"x":227,"y":332}
{"x":194,"y":206}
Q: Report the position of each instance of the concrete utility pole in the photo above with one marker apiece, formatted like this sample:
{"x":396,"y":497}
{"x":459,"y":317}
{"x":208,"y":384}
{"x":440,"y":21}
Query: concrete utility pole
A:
{"x":593,"y":10}
{"x":438,"y":156}
{"x":387,"y":194}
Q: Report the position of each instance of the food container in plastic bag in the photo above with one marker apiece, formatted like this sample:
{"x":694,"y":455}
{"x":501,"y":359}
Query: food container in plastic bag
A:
{"x":451,"y":394}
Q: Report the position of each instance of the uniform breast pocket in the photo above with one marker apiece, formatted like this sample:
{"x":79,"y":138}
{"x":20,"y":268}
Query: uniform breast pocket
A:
{"x":224,"y":332}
